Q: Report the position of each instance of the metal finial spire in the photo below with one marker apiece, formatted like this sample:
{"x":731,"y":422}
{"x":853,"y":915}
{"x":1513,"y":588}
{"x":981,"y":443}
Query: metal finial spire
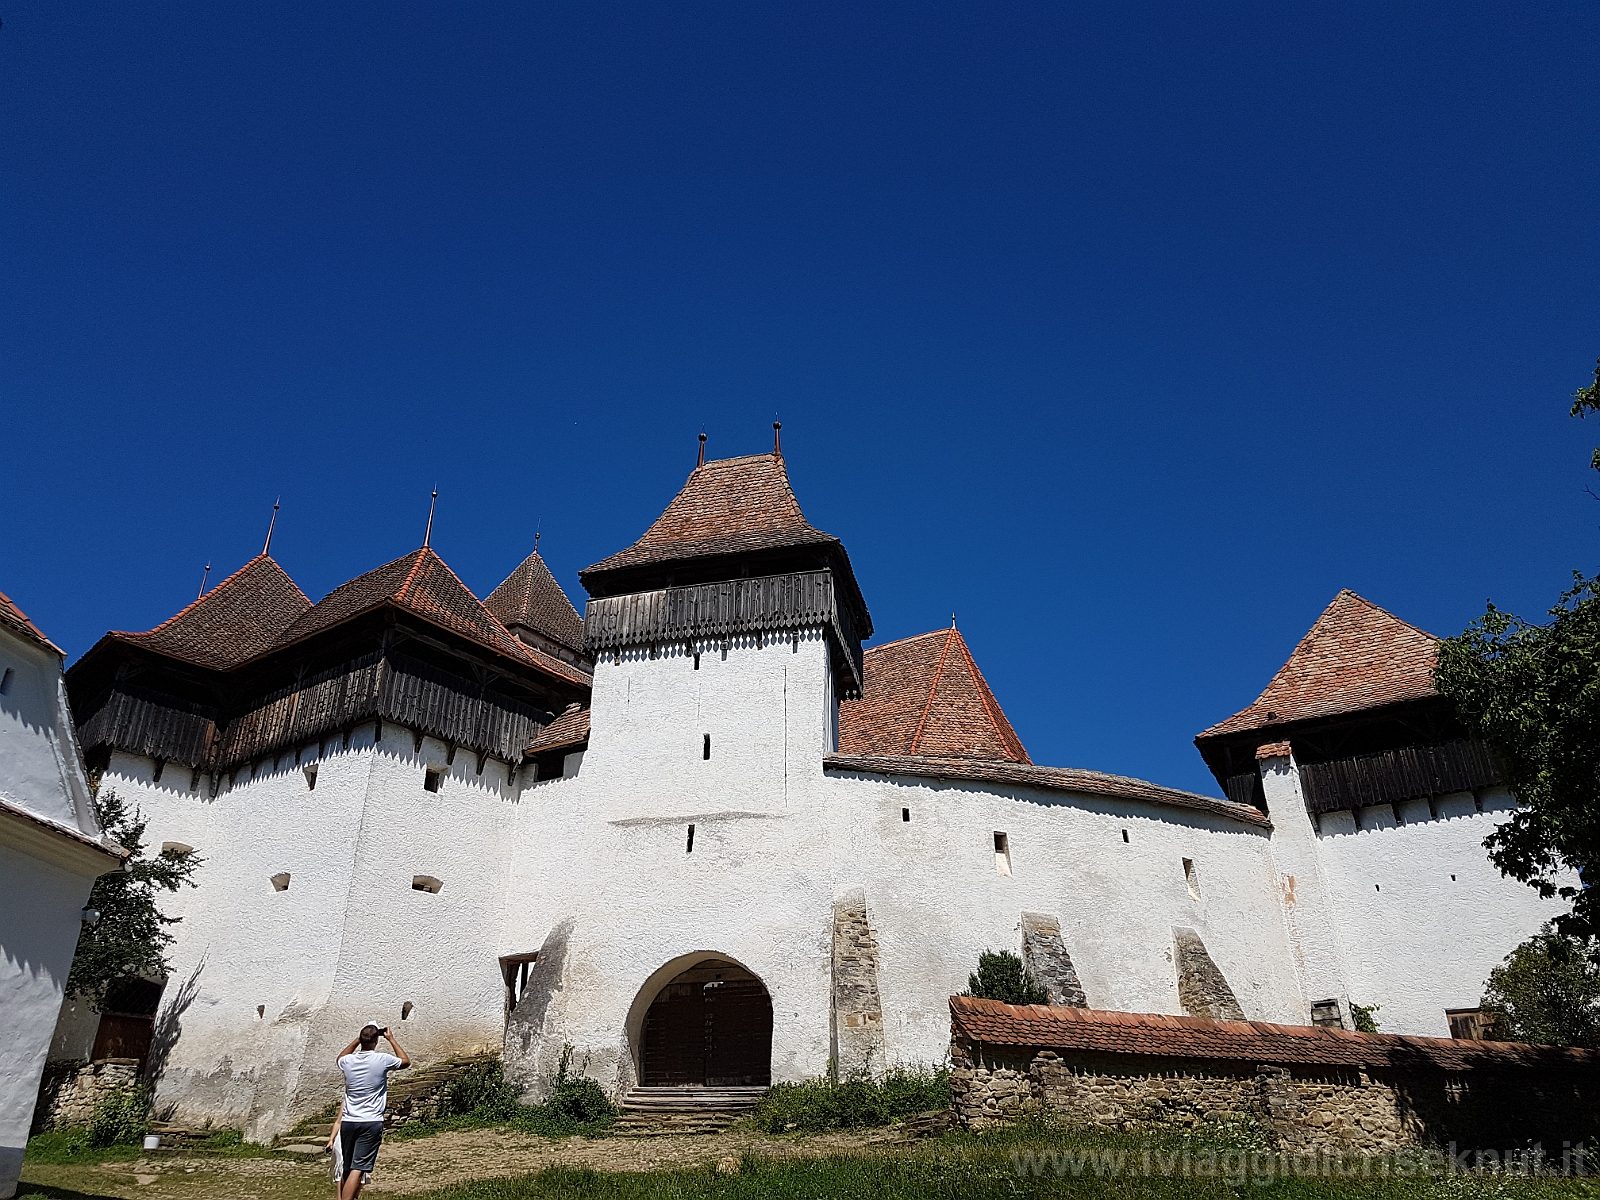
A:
{"x":203,"y":578}
{"x":952,"y":620}
{"x":267,"y":549}
{"x":777,"y":439}
{"x":427,"y":534}
{"x":536,"y":536}
{"x":702,"y":460}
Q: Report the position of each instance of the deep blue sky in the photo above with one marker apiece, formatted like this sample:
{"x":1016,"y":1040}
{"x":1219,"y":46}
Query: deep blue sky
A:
{"x":1128,"y":333}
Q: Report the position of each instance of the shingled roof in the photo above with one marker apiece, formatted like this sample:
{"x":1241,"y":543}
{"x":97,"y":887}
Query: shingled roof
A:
{"x":241,"y":617}
{"x":924,"y":695}
{"x":571,"y":728}
{"x":989,"y":1022}
{"x":530,"y":596}
{"x":1357,"y":656}
{"x":1068,"y":780}
{"x":421,"y":584}
{"x":728,"y":506}
{"x":15,"y":620}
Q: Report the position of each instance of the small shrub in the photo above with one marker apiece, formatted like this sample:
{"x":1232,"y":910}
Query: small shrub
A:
{"x":121,"y":1118}
{"x":482,"y":1091}
{"x":1001,"y":976}
{"x":856,"y":1102}
{"x":1362,"y":1016}
{"x":576,"y":1104}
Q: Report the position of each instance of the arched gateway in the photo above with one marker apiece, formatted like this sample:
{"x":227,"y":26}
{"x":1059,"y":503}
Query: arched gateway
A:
{"x":710,"y":1026}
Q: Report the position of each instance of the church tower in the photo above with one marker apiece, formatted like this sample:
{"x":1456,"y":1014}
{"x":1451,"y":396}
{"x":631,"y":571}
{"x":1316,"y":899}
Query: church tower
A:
{"x":724,"y":639}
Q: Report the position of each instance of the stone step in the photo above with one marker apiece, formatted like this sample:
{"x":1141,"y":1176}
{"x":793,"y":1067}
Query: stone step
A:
{"x":641,"y":1124}
{"x":692,"y":1099}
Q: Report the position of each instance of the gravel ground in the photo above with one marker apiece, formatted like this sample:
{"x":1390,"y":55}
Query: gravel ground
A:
{"x":422,"y":1164}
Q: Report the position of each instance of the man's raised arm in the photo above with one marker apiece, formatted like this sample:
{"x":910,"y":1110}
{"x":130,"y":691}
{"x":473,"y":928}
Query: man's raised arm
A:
{"x":405,"y":1059}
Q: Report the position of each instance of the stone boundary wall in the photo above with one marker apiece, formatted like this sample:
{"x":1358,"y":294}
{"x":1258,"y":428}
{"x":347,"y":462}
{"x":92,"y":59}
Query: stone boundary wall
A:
{"x":1300,"y":1107}
{"x":69,"y":1091}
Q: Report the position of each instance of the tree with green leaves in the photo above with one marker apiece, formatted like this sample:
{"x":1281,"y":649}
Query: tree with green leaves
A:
{"x":1530,"y":694}
{"x":130,"y":938}
{"x":1001,"y":976}
{"x":1585,"y":401}
{"x":1547,"y":991}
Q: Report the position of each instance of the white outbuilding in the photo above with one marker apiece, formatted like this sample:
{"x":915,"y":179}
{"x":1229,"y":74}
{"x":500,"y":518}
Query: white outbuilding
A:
{"x":51,"y":852}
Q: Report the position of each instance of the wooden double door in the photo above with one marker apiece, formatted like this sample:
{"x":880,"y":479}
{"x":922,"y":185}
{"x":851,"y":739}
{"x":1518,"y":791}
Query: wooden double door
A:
{"x":711,"y":1026}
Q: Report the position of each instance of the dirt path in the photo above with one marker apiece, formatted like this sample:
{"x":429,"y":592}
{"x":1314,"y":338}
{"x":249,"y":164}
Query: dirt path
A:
{"x":422,"y":1164}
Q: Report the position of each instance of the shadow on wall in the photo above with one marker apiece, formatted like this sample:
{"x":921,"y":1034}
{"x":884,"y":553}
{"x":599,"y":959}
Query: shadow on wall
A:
{"x":169,"y":1027}
{"x":529,"y":1062}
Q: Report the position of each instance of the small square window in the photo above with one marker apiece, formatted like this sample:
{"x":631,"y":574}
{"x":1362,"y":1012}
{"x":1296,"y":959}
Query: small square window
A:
{"x":280,"y":881}
{"x":905,"y":814}
{"x":425,"y":883}
{"x":433,"y":778}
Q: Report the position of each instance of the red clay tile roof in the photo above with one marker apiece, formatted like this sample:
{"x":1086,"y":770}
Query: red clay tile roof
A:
{"x":14,"y":619}
{"x":729,"y":506}
{"x":421,"y":584}
{"x":1050,"y":779}
{"x":1085,"y":1029}
{"x":1356,"y":656}
{"x":531,"y":596}
{"x":571,"y":728}
{"x":924,"y":695}
{"x":241,"y":617}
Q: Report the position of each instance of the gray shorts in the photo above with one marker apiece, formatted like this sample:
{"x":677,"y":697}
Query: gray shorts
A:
{"x":360,"y":1141}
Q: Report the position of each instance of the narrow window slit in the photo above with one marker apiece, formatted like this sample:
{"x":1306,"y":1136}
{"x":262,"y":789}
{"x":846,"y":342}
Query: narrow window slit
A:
{"x":432,"y":778}
{"x":905,"y":814}
{"x":1002,"y":853}
{"x":1190,"y":878}
{"x":1124,"y":836}
{"x":705,"y":749}
{"x":689,"y":849}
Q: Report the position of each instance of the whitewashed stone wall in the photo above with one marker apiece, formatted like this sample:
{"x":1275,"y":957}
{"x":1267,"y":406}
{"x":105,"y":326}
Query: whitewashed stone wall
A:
{"x":592,"y":870}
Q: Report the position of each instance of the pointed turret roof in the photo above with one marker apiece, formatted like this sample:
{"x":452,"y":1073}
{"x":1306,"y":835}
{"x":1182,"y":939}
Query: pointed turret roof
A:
{"x":531,"y":597}
{"x":728,"y":506}
{"x":235,"y":621}
{"x":733,"y":518}
{"x":421,"y":584}
{"x":1357,"y":656}
{"x":924,"y":695}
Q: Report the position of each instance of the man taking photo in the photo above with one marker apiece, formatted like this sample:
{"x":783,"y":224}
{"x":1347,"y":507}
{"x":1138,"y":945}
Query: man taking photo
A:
{"x":359,"y":1128}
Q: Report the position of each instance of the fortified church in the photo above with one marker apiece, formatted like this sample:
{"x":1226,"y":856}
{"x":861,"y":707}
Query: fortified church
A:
{"x":704,"y":838}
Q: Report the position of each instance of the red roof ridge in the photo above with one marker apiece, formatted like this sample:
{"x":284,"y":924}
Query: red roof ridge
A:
{"x":206,"y":595}
{"x":933,"y":691}
{"x":13,"y":616}
{"x":899,"y":641}
{"x":986,"y":696}
{"x":1349,"y":660}
{"x":423,"y":553}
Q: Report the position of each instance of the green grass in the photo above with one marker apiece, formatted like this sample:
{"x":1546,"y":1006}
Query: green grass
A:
{"x":75,"y":1145}
{"x":1020,"y":1163}
{"x":821,"y":1105}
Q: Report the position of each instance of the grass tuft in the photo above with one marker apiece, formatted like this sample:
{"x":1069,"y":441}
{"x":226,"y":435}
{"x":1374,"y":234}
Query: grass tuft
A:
{"x":821,"y":1105}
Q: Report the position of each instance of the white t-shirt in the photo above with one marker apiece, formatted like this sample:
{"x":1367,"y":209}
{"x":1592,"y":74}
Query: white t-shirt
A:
{"x":366,"y":1084}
